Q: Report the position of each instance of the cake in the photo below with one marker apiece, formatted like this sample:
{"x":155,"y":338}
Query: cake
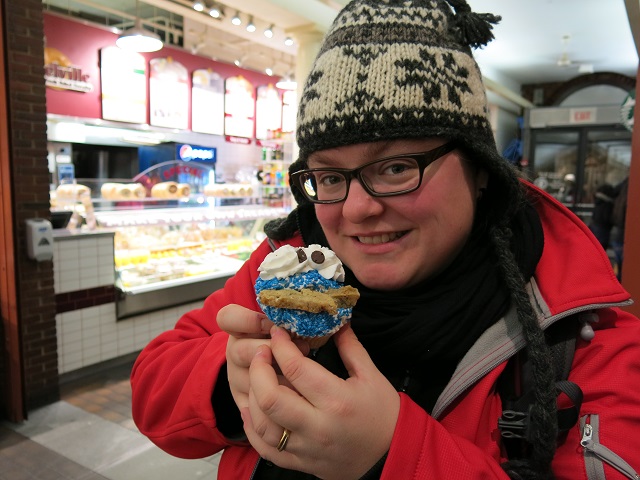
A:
{"x":301,"y":289}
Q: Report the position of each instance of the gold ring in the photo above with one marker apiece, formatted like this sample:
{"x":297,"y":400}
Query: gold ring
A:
{"x":282,"y":444}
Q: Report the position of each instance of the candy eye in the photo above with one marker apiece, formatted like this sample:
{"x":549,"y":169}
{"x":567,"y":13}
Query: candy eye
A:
{"x":302,"y":256}
{"x":317,"y":257}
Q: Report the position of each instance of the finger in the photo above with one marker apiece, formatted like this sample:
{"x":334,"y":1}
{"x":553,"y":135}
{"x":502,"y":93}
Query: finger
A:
{"x":240,"y":352}
{"x":267,"y":449}
{"x":241,"y":322}
{"x":270,"y":400}
{"x":308,"y":377}
{"x":354,"y":356}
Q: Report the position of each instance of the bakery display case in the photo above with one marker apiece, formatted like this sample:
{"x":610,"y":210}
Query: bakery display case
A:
{"x":167,"y":256}
{"x":177,"y":235}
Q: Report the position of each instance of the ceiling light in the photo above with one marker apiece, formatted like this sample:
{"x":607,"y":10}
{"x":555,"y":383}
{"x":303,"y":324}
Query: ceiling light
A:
{"x":237,"y":62}
{"x":268,"y":71}
{"x":251,"y":26}
{"x":287,"y":83}
{"x":138,"y":39}
{"x":215,"y":12}
{"x":236,"y":19}
{"x":288,"y":41}
{"x":269,"y":31}
{"x":198,"y":6}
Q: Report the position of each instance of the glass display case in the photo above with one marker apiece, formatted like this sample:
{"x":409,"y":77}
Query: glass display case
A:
{"x":175,"y":240}
{"x":170,"y":246}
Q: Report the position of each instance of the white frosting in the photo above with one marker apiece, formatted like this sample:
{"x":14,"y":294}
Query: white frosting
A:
{"x":285,"y":262}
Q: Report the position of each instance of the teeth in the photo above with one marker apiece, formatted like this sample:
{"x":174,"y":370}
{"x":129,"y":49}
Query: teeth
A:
{"x":384,"y":238}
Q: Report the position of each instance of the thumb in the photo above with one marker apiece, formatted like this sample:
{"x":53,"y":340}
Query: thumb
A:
{"x":355,"y":357}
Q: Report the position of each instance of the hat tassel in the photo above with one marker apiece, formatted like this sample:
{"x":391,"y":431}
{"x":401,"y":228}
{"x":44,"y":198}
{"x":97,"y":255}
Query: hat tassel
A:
{"x":475,"y":28}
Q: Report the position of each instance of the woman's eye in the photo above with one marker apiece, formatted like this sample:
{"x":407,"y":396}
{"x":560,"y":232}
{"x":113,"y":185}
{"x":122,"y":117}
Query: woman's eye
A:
{"x":329,"y":179}
{"x":396,"y":167}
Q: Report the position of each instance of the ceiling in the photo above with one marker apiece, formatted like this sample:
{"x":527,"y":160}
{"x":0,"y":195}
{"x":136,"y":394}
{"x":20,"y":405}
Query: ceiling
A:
{"x":537,"y":40}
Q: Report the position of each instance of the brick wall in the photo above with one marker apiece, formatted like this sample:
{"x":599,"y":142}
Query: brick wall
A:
{"x":24,"y":42}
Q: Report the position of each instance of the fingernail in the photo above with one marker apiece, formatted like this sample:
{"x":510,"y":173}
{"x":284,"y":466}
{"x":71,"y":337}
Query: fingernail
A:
{"x":261,"y":351}
{"x":265,"y":325}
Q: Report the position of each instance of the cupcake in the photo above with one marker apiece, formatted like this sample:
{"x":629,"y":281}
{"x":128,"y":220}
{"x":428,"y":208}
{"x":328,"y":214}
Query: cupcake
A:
{"x":301,"y":289}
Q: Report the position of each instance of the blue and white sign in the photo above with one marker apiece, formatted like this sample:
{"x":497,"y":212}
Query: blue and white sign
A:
{"x":195,"y":153}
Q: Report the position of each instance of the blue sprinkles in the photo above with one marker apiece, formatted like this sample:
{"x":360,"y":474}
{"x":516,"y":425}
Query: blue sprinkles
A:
{"x":303,"y":323}
{"x":311,"y":279}
{"x":307,"y":324}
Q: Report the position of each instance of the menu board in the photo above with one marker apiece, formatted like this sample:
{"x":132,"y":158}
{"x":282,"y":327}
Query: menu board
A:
{"x":124,"y":85}
{"x":168,"y":94}
{"x":239,"y":107}
{"x":268,"y":112}
{"x":289,"y":110}
{"x":207,"y":102}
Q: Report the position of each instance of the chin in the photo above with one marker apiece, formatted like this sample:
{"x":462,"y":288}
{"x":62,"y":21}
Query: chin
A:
{"x":382,"y":281}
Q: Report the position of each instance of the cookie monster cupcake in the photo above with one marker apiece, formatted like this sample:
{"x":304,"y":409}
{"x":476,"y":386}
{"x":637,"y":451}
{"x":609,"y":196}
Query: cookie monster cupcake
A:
{"x":301,"y":290}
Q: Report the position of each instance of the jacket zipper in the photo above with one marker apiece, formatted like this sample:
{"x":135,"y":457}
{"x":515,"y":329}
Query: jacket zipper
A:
{"x":594,"y":450}
{"x":255,"y":469}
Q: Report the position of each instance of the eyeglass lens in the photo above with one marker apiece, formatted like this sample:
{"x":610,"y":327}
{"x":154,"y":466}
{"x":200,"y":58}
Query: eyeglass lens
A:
{"x":386,"y":176}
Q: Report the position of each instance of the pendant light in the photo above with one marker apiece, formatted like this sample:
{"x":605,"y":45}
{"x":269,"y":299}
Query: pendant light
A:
{"x":287,"y":83}
{"x":139,"y":39}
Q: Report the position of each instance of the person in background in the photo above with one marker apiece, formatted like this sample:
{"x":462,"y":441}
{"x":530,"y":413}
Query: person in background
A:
{"x":618,"y":216}
{"x":601,"y":220}
{"x":461,"y":267}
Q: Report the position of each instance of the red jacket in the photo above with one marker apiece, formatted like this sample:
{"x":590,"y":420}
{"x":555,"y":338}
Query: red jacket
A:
{"x":175,"y":375}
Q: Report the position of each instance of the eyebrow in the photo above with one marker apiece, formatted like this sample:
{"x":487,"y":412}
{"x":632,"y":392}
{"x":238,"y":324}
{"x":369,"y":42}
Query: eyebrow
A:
{"x":371,"y":152}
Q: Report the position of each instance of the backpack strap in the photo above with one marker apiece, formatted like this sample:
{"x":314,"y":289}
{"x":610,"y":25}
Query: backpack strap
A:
{"x":517,"y":392}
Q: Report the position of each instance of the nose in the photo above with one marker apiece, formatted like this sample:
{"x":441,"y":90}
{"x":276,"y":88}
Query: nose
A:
{"x":359,"y":205}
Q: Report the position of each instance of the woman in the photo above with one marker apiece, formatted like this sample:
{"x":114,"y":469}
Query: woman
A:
{"x":459,"y":266}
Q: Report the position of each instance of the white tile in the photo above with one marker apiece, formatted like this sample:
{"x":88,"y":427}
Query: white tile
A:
{"x":108,"y":350}
{"x":72,"y":357}
{"x":72,"y":336}
{"x":69,"y":285}
{"x":91,"y":357}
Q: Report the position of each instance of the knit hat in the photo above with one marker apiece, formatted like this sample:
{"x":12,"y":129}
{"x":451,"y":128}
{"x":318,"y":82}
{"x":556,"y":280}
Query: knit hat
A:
{"x":391,"y":69}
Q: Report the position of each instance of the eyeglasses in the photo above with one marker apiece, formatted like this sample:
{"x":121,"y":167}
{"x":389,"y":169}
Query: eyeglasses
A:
{"x":384,"y":177}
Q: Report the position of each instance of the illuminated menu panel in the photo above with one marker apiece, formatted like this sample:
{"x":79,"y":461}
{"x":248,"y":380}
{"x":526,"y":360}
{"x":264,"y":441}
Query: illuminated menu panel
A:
{"x":207,"y":102}
{"x":124,"y":85}
{"x":168,"y":94}
{"x":289,"y":110}
{"x":239,"y":105}
{"x":268,"y":112}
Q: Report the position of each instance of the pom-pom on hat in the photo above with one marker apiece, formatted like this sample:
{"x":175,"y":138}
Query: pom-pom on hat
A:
{"x":392,"y":69}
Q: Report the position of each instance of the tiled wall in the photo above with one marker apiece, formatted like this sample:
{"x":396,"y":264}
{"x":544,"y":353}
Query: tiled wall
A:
{"x":83,"y":262}
{"x":92,"y":335}
{"x":83,"y":272}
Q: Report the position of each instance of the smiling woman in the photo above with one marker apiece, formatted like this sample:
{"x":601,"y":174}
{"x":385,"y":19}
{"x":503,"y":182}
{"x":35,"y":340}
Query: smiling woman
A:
{"x":460,"y":266}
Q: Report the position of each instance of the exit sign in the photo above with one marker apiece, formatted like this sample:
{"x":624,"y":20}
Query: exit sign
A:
{"x":582,"y":115}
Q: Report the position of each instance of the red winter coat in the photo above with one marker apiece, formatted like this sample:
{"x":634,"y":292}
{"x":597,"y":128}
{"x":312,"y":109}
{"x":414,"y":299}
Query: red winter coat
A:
{"x":174,"y":376}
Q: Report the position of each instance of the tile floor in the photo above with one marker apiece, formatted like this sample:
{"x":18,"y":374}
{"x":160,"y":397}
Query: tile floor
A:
{"x":89,"y":435}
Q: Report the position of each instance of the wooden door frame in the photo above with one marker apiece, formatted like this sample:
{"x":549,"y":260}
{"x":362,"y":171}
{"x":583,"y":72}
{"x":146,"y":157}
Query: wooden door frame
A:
{"x":13,"y":397}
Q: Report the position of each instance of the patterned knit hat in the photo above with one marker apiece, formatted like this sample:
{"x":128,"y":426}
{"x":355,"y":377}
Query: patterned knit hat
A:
{"x":391,"y":69}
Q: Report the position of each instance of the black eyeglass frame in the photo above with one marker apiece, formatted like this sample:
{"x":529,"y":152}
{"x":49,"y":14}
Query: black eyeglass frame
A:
{"x":424,"y":159}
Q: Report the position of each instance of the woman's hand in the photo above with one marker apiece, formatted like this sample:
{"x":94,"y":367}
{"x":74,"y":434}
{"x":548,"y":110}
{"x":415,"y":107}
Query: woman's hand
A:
{"x":339,"y":428}
{"x":247,"y":331}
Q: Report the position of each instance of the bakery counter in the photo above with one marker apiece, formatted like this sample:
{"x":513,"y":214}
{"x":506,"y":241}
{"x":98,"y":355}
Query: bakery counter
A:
{"x":167,"y":256}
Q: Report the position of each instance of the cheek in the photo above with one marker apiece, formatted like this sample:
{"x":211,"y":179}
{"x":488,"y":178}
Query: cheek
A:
{"x":329,"y":215}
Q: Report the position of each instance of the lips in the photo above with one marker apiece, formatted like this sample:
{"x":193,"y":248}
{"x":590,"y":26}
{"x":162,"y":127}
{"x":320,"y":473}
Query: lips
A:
{"x":382,"y":238}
